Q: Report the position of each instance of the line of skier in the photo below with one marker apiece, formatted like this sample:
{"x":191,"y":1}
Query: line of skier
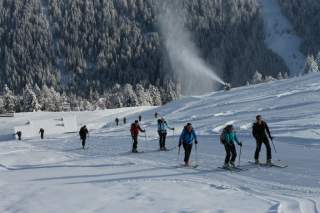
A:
{"x":19,"y":134}
{"x":188,"y":137}
{"x":117,"y":121}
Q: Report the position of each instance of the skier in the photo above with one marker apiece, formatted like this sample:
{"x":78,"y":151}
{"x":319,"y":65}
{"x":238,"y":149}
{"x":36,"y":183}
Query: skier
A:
{"x":124,"y":120}
{"x":117,"y":121}
{"x":135,"y":129}
{"x":41,"y":132}
{"x":140,"y":118}
{"x":83,"y":135}
{"x":156,"y":115}
{"x":162,"y":131}
{"x":260,"y":130}
{"x":19,"y":134}
{"x":187,"y":137}
{"x":228,"y":137}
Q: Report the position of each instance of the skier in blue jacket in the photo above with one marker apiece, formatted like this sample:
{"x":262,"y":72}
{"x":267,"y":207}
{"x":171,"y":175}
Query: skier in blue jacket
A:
{"x":162,"y":131}
{"x":228,"y":138}
{"x":187,"y":137}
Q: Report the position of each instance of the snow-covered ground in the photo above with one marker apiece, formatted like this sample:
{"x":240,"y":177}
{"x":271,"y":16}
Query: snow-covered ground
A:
{"x":281,"y":37}
{"x":55,"y":175}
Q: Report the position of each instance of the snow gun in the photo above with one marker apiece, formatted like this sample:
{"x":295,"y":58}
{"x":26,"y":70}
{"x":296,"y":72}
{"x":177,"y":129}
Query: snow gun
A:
{"x":227,"y":86}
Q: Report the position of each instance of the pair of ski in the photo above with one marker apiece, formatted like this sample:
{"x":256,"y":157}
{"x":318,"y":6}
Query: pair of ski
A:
{"x":278,"y":164}
{"x":157,"y":150}
{"x":232,"y":169}
{"x":189,"y":167}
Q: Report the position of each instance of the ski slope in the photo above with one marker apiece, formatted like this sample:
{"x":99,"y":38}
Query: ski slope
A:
{"x":55,"y":175}
{"x":281,"y":37}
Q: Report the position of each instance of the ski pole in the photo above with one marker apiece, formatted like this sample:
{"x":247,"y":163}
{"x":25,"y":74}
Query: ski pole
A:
{"x":179,"y":153}
{"x":196,"y":154}
{"x":274,"y":147}
{"x":275,"y":150}
{"x":240,"y":155}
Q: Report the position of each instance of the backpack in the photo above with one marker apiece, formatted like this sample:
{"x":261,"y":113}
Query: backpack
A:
{"x":223,"y":136}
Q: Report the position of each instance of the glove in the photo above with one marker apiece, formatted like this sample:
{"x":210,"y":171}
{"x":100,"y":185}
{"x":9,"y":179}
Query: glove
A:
{"x":196,"y":142}
{"x":179,"y":145}
{"x":240,"y":144}
{"x":173,"y":129}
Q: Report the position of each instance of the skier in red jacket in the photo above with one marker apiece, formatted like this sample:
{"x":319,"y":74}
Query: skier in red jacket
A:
{"x":135,"y":129}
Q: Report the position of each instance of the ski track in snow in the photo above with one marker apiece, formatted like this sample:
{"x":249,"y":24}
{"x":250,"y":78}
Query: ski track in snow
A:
{"x":35,"y":174}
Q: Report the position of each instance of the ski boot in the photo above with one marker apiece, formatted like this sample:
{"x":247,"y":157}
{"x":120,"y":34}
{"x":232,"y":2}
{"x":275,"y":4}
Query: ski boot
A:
{"x":134,"y":151}
{"x":269,"y":163}
{"x":257,"y":162}
{"x":232,"y":165}
{"x":226,"y":166}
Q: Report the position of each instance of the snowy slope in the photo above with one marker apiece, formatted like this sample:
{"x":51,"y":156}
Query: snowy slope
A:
{"x":54,"y":175}
{"x":281,"y":37}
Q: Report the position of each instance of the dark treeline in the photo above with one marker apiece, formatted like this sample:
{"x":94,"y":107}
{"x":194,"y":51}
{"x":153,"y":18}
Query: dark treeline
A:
{"x":103,"y":50}
{"x":306,"y":19}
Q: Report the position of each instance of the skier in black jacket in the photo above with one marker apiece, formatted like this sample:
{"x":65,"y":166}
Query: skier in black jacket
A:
{"x":41,"y":131}
{"x":83,"y":135}
{"x":261,"y":132}
{"x":19,"y":134}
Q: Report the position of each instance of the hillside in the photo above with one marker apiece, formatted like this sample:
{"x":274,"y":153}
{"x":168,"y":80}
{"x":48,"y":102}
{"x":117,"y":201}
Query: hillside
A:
{"x":86,"y":50}
{"x":55,"y":175}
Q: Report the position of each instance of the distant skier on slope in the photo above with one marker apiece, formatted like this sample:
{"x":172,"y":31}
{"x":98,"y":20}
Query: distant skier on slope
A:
{"x":135,"y":129}
{"x":140,"y":118}
{"x":260,"y":130}
{"x":162,"y":131}
{"x":41,"y":132}
{"x":187,"y":137}
{"x":228,"y":137}
{"x":156,"y":115}
{"x":83,"y":135}
{"x":19,"y":134}
{"x":117,"y":121}
{"x":124,"y":120}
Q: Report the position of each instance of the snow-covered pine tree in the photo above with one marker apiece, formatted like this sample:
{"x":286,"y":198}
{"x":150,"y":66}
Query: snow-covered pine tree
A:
{"x":280,"y":76}
{"x":155,"y":95}
{"x":269,"y":78}
{"x":143,"y":96}
{"x":115,"y":97}
{"x":46,"y":99}
{"x":257,"y":78}
{"x":101,"y":104}
{"x":57,"y":100}
{"x":171,"y":91}
{"x":29,"y":100}
{"x":311,"y":65}
{"x":2,"y":109}
{"x":318,"y":59}
{"x":9,"y":99}
{"x":130,"y":97}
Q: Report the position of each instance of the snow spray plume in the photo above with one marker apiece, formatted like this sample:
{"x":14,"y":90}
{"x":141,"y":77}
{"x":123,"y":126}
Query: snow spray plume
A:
{"x":192,"y":71}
